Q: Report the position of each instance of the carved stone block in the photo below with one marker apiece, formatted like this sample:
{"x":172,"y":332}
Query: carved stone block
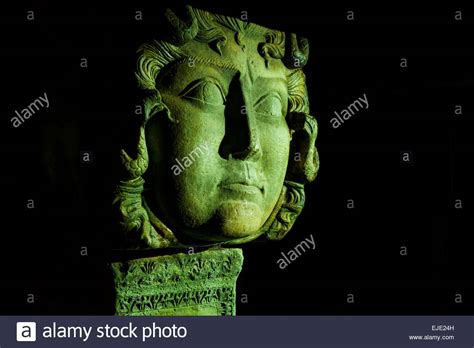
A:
{"x":203,"y":283}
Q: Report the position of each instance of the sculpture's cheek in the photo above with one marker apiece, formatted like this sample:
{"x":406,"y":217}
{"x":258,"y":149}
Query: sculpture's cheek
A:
{"x":197,"y":137}
{"x":275,"y":141}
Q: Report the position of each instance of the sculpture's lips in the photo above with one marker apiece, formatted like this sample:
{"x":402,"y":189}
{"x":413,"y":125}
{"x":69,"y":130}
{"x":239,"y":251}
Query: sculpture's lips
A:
{"x":244,"y":187}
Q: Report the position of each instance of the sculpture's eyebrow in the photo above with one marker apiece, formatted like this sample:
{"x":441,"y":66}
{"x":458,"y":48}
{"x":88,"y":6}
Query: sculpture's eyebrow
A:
{"x":209,"y":61}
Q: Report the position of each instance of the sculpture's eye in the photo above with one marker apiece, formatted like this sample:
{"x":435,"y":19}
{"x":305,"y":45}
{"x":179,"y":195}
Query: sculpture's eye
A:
{"x":270,"y":105}
{"x":207,"y":91}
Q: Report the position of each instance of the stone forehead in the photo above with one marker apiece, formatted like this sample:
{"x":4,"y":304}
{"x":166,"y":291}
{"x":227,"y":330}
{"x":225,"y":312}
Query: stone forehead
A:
{"x":240,"y":51}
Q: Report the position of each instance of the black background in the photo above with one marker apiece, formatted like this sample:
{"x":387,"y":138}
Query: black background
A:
{"x":357,"y":250}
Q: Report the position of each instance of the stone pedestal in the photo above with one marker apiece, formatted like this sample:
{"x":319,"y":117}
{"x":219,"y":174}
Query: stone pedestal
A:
{"x":203,"y":283}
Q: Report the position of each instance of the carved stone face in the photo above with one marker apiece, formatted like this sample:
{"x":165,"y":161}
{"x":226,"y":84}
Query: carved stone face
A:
{"x":226,"y":140}
{"x":218,"y":171}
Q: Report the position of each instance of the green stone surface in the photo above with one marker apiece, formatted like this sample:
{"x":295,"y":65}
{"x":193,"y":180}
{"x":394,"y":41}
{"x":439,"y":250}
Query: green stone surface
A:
{"x":225,"y":142}
{"x":203,"y":283}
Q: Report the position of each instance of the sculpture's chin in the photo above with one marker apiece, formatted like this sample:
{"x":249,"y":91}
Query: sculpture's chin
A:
{"x":239,"y":219}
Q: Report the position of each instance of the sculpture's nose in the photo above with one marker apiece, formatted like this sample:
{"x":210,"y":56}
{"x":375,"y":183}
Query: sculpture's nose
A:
{"x":241,"y":139}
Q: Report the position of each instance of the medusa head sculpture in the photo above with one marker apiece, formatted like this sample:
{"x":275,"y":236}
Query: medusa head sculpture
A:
{"x":226,"y":142}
